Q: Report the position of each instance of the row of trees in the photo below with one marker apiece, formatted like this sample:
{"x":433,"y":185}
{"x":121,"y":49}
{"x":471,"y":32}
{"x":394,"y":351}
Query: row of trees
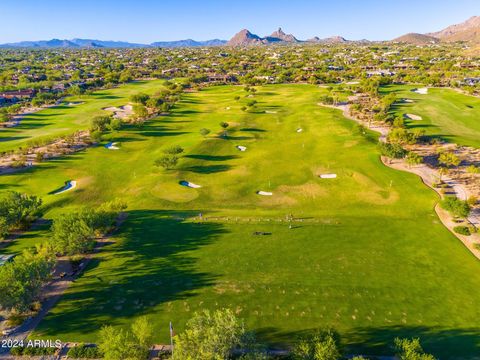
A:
{"x":220,"y":335}
{"x":74,"y":233}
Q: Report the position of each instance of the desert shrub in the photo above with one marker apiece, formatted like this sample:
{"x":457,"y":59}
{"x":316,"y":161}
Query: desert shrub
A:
{"x":15,"y":319}
{"x":462,"y":230}
{"x":394,"y":151}
{"x":456,"y":207}
{"x":82,"y":351}
{"x":32,"y":351}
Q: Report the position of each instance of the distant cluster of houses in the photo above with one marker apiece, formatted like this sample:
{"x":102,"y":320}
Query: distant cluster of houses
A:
{"x":16,"y":95}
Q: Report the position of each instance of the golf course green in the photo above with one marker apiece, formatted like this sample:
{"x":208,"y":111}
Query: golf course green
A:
{"x":446,"y":114}
{"x":366,"y":254}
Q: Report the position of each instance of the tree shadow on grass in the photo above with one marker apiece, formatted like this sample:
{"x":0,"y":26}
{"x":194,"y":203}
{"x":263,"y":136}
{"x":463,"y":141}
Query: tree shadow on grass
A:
{"x":12,"y":138}
{"x":444,"y":343}
{"x":149,"y":265}
{"x":212,"y":157}
{"x":208,"y":169}
{"x":252,"y":130}
{"x":28,"y":125}
{"x":159,"y":130}
{"x":106,"y":97}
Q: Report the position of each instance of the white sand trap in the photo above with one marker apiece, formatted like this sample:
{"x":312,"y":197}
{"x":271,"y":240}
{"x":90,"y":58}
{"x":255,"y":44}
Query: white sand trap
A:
{"x":328,"y":176}
{"x":112,"y":146}
{"x":413,"y":117}
{"x":241,"y":148}
{"x":227,"y":108}
{"x":121,"y":112}
{"x":353,"y":83}
{"x":74,"y":103}
{"x":69,"y":185}
{"x":409,"y":101}
{"x":299,"y":130}
{"x":190,"y":185}
{"x":270,"y":112}
{"x":111,"y":108}
{"x":264,"y":193}
{"x":421,"y":91}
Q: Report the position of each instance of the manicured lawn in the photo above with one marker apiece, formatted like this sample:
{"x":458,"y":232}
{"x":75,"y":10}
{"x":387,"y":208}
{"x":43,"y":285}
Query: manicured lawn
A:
{"x":446,"y":114}
{"x":63,"y":120}
{"x":370,"y":258}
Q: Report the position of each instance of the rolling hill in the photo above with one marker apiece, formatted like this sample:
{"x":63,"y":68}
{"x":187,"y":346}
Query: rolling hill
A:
{"x":417,"y":39}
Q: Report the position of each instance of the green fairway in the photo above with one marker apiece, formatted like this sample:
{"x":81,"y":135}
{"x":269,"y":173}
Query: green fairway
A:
{"x":64,"y":120}
{"x":446,"y":113}
{"x":369,"y":257}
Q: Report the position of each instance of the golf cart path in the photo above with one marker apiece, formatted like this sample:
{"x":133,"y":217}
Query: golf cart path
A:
{"x":428,"y":176}
{"x":16,"y":119}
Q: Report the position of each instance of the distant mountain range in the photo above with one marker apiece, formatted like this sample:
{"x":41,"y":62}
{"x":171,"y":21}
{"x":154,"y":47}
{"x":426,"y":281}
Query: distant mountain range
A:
{"x":89,"y":43}
{"x":189,"y":43}
{"x":468,"y":31}
{"x":246,"y":38}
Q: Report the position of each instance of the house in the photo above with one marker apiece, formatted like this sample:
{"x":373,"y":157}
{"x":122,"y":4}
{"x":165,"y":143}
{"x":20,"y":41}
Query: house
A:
{"x":380,"y":73}
{"x":471,"y":81}
{"x":14,"y":96}
{"x":221,"y":78}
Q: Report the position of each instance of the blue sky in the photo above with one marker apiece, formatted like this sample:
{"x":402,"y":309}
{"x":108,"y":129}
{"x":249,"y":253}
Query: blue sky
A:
{"x":146,"y":21}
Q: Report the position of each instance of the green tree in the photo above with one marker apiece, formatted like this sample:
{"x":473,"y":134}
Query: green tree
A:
{"x":22,"y":279}
{"x":472,"y":169}
{"x":449,"y":159}
{"x":174,"y":150}
{"x":140,"y":112}
{"x":456,"y":207}
{"x":393,"y":151}
{"x":204,"y":132}
{"x":410,"y":350}
{"x":320,"y":346}
{"x":167,"y":161}
{"x":114,"y":344}
{"x":17,"y":210}
{"x":210,"y":336}
{"x":224,"y":125}
{"x":413,"y":158}
{"x":100,"y":123}
{"x":143,"y":332}
{"x":73,"y":233}
{"x":140,"y":98}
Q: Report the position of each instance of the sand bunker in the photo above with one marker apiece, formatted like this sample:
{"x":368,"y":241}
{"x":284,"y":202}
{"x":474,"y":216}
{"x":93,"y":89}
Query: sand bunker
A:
{"x":69,"y":185}
{"x":74,"y":103}
{"x":189,"y":184}
{"x":413,"y":117}
{"x":270,"y":112}
{"x":121,"y":112}
{"x":112,"y":146}
{"x":328,"y":176}
{"x":241,"y":148}
{"x":227,"y":108}
{"x":299,"y":130}
{"x":421,"y":91}
{"x":264,"y":193}
{"x":409,"y":101}
{"x":353,"y":83}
